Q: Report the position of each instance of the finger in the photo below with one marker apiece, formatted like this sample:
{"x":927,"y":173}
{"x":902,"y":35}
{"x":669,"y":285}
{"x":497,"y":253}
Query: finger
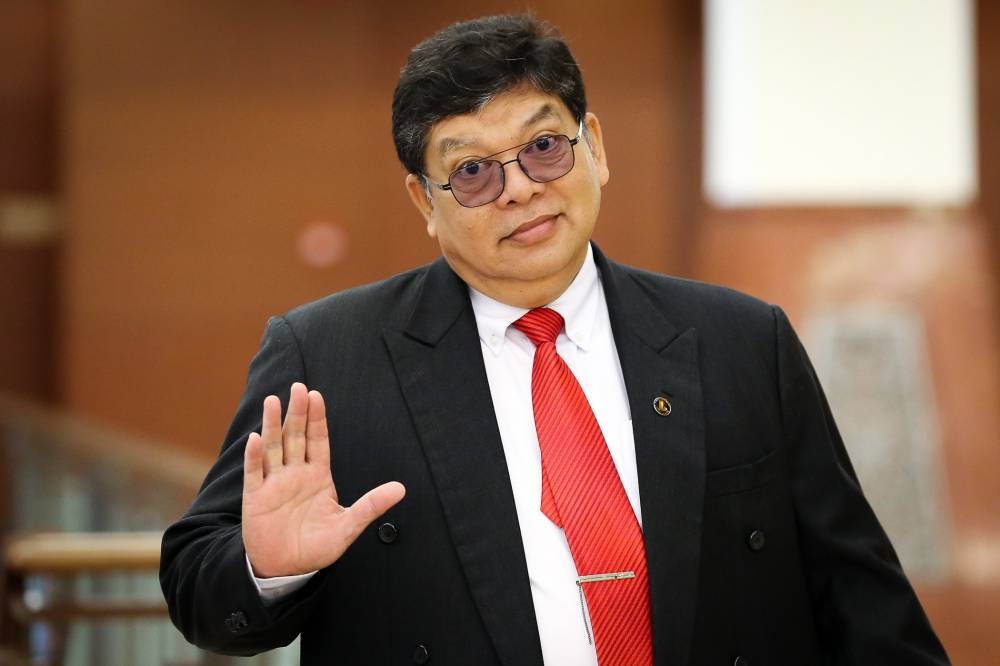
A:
{"x":253,"y":464}
{"x":317,"y":433}
{"x":295,"y":424}
{"x":270,"y":434}
{"x":371,"y":505}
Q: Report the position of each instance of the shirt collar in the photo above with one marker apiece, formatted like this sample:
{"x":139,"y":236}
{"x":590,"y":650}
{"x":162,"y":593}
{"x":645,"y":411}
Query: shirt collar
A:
{"x":577,"y":305}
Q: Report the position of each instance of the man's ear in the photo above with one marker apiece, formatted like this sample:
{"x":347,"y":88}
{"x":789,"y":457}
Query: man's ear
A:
{"x":421,"y":200}
{"x":595,"y":139}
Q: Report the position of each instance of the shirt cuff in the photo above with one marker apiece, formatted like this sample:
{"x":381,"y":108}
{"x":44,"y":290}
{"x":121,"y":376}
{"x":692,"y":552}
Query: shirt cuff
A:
{"x":279,"y":587}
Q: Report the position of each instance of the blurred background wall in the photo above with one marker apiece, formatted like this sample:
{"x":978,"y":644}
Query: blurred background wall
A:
{"x":203,"y":146}
{"x":171,"y":174}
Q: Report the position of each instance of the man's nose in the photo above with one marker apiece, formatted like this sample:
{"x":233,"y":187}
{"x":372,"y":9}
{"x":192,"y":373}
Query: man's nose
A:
{"x":518,"y":188}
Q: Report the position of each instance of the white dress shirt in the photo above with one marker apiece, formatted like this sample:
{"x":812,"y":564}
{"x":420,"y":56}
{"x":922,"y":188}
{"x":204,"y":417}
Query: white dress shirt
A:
{"x":588,"y":347}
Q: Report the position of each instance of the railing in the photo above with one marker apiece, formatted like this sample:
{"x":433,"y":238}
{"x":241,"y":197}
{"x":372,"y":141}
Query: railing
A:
{"x":81,"y":512}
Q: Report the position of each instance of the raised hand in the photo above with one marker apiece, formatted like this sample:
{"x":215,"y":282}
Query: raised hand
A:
{"x":293,"y":522}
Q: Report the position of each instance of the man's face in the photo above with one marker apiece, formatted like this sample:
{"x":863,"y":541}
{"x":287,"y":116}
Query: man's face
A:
{"x":527,"y":246}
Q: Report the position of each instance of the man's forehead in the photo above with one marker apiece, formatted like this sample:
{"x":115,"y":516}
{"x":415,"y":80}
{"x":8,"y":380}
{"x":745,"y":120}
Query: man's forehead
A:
{"x":473,"y":128}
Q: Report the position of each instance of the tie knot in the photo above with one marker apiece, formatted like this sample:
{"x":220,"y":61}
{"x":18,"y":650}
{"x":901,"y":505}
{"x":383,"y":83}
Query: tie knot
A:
{"x":540,"y":325}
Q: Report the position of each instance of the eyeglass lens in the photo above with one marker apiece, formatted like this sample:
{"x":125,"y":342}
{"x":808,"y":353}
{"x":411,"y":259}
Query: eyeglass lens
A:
{"x":545,"y":159}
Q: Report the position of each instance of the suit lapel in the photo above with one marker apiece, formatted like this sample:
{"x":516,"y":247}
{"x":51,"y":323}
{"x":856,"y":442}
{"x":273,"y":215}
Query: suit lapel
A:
{"x":658,"y":360}
{"x":439,"y":364}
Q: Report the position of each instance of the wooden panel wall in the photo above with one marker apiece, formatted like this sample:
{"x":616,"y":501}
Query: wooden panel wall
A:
{"x":202,"y":139}
{"x":27,"y":169}
{"x":988,"y":101}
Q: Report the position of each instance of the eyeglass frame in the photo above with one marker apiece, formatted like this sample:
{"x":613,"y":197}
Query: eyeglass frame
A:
{"x":503,"y":171}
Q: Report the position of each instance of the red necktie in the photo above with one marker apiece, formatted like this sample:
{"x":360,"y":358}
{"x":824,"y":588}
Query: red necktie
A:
{"x":583,"y":494}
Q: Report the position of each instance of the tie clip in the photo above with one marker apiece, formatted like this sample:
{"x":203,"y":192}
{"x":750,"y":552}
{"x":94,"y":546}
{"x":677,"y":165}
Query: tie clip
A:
{"x":596,"y":578}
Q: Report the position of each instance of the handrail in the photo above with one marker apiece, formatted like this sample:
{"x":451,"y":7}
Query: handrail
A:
{"x":79,"y":506}
{"x":119,"y":468}
{"x":141,"y":454}
{"x":73,"y":552}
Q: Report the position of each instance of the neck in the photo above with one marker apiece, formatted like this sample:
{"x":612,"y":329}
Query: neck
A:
{"x":527,"y":295}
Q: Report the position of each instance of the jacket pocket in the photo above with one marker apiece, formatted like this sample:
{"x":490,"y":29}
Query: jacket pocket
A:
{"x":737,"y":479}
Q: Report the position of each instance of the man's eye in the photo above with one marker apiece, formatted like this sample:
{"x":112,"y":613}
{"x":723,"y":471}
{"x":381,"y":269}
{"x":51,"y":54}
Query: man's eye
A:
{"x":470,"y":169}
{"x":543,"y":144}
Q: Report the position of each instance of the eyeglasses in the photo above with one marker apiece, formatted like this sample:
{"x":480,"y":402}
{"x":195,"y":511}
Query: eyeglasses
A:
{"x":542,"y":160}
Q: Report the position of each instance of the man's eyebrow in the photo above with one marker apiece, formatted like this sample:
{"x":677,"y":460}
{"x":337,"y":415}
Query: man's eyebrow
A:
{"x":547,"y":112}
{"x":448,"y":144}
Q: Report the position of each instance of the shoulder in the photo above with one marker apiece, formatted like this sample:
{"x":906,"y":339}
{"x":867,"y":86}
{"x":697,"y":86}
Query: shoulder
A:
{"x":693,"y":291}
{"x":689,"y":303}
{"x":386,"y":303}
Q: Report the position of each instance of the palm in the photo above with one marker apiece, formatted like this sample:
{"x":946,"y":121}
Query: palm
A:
{"x":290,"y":523}
{"x":292,"y":520}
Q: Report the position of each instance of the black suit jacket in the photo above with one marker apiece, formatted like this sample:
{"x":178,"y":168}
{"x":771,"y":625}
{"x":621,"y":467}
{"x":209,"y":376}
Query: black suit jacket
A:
{"x":759,"y":542}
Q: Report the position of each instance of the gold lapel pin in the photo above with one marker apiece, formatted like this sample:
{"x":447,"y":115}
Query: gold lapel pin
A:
{"x":662,"y":405}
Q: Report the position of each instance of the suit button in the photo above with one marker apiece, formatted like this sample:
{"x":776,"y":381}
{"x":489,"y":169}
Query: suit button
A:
{"x":421,"y":655}
{"x":756,"y":541}
{"x":387,"y":533}
{"x":237,"y":623}
{"x":740,"y":661}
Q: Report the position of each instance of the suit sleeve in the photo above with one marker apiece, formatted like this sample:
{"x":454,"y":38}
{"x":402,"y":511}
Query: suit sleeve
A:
{"x":866,"y":612}
{"x":203,"y":571}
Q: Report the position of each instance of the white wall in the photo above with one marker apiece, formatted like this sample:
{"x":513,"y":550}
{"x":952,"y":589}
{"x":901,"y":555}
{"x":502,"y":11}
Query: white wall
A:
{"x":839,"y":102}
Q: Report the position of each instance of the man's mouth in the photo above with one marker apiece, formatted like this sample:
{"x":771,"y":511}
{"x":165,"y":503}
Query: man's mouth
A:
{"x":534,"y":229}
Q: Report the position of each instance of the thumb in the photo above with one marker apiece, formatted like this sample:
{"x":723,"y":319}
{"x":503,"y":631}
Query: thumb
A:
{"x":373,"y":504}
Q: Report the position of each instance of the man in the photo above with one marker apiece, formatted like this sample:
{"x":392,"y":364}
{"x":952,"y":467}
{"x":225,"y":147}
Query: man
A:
{"x":539,"y":454}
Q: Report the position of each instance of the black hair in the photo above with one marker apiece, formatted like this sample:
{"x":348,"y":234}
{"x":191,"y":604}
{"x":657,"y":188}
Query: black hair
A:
{"x":463,"y":66}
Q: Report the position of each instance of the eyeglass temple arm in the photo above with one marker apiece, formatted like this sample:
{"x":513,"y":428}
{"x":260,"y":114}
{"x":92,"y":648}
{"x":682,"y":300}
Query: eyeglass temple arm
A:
{"x":428,"y":181}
